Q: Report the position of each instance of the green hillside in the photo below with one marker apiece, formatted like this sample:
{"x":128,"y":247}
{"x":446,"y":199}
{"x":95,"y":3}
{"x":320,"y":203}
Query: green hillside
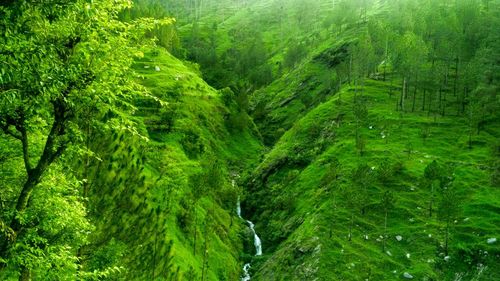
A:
{"x":249,"y":140}
{"x":173,"y":213}
{"x":307,"y":230}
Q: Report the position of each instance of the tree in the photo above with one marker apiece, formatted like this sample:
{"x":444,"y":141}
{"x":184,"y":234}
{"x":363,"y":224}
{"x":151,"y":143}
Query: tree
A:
{"x":198,"y":184}
{"x":351,"y":200}
{"x":448,"y":210}
{"x":387,"y":203}
{"x":360,"y":116}
{"x":330,"y":180}
{"x":294,"y":54}
{"x":431,"y":174}
{"x":411,"y":52}
{"x":71,"y":56}
{"x":362,"y":179}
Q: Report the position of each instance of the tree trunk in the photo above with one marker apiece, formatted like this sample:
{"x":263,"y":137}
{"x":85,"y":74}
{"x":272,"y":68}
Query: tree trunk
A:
{"x":403,"y":94}
{"x":440,"y":97}
{"x":205,"y":254}
{"x":25,"y":274}
{"x":350,"y":69}
{"x":194,"y":231}
{"x":385,"y":231}
{"x":470,"y":137}
{"x":414,"y":93}
{"x":154,"y":249}
{"x":432,"y":200}
{"x":408,"y":83}
{"x":456,"y":78}
{"x":386,"y":54}
{"x":350,"y":226}
{"x":464,"y":99}
{"x":423,"y":99}
{"x":446,"y":237}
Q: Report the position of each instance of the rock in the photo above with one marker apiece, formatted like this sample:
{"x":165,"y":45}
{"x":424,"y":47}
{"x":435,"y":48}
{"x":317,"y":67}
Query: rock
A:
{"x":407,"y":275}
{"x":399,"y":237}
{"x":491,"y":240}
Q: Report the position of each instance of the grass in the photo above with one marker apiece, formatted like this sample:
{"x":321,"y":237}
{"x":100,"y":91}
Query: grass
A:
{"x":145,"y":177}
{"x":340,"y":259}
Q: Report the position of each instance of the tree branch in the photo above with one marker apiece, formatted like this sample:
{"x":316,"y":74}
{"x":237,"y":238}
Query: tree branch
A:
{"x":21,"y":135}
{"x":7,"y":131}
{"x":50,"y":153}
{"x":24,"y":140}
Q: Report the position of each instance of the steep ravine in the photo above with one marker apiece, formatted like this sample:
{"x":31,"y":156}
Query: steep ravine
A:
{"x":256,"y":240}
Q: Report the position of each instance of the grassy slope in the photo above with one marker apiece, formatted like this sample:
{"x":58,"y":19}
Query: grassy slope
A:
{"x":131,"y":198}
{"x":294,"y":214}
{"x":290,"y":177}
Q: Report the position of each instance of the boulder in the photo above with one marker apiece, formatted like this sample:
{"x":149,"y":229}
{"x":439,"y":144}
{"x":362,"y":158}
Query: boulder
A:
{"x":407,"y":275}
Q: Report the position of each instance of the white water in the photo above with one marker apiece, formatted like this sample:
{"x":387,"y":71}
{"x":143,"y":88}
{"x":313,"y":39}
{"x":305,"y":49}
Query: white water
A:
{"x":246,"y":274}
{"x":238,"y":206}
{"x":256,"y":241}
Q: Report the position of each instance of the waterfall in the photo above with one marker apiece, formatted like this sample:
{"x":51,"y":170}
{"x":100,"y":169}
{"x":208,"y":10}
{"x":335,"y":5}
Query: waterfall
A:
{"x":256,"y":240}
{"x":238,"y":206}
{"x":246,"y":274}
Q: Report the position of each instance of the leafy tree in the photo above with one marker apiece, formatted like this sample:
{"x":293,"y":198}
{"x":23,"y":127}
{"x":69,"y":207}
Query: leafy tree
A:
{"x":360,"y":116}
{"x":387,"y":203}
{"x":330,"y":180}
{"x":57,"y":60}
{"x":351,"y":199}
{"x":294,"y":54}
{"x":385,"y":171}
{"x":362,"y":179}
{"x":432,"y":174}
{"x":411,"y":52}
{"x":449,"y":209}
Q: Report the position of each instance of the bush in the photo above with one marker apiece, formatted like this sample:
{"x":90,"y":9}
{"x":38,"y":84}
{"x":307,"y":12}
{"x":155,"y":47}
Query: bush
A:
{"x":294,"y":55}
{"x":192,"y":143}
{"x":185,"y":215}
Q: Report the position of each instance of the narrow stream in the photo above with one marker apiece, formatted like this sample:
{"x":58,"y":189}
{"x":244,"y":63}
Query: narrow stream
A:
{"x":256,"y":241}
